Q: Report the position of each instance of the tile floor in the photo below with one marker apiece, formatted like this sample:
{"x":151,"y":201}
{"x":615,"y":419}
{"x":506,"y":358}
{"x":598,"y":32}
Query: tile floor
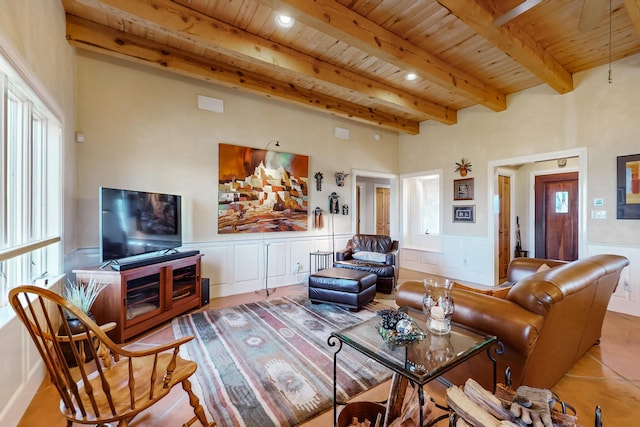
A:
{"x":608,"y":375}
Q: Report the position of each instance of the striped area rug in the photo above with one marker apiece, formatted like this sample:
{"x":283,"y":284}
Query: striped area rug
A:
{"x":268,"y":363}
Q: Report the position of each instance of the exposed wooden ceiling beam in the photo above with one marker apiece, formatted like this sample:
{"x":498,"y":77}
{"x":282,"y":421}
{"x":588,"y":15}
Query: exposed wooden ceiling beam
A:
{"x":219,"y":36}
{"x":91,"y":36}
{"x":340,"y":22}
{"x":514,"y":42}
{"x":633,"y":9}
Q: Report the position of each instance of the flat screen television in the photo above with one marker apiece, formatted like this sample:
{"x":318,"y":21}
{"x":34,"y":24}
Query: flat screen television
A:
{"x":138,"y":222}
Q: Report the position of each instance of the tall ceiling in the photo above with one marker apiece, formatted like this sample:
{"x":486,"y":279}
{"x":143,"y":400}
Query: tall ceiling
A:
{"x":350,"y":57}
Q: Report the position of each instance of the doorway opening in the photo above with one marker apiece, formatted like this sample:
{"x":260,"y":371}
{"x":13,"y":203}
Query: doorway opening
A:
{"x":556,"y":216}
{"x":372,"y":207}
{"x":518,"y":217}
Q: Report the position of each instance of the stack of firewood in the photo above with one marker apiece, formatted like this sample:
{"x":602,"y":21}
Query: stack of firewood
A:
{"x":366,"y":423}
{"x":475,"y":406}
{"x":411,"y":410}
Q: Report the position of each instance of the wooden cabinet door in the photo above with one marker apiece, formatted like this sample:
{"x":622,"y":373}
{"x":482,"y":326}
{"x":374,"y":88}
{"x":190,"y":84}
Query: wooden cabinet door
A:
{"x":141,"y":298}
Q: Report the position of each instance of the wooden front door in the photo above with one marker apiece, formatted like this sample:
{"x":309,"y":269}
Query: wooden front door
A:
{"x":504,"y":225}
{"x":556,"y":216}
{"x":383,"y":223}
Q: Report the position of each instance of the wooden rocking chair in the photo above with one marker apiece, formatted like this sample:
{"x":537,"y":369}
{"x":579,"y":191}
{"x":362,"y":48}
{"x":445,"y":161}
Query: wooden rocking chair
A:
{"x":120,"y":383}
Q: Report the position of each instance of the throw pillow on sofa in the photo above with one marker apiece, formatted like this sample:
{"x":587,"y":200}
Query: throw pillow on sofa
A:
{"x":370,"y":256}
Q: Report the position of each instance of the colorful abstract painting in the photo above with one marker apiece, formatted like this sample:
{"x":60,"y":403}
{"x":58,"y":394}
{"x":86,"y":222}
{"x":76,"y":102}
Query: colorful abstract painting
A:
{"x":261,"y":190}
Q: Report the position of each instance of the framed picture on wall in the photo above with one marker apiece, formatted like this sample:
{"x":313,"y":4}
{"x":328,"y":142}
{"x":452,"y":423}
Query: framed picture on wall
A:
{"x":465,"y":213}
{"x":628,"y":187}
{"x":463,"y":189}
{"x":261,"y":190}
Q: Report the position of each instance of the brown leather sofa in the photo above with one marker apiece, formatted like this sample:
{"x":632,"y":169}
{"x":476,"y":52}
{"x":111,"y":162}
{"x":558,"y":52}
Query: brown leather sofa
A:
{"x":373,"y":253}
{"x":547,"y":320}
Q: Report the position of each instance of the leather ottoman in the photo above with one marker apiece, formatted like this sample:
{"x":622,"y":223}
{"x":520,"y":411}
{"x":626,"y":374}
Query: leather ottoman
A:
{"x":342,"y":286}
{"x":386,"y":273}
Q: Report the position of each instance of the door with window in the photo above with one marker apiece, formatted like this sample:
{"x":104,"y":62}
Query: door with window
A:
{"x":556,"y":216}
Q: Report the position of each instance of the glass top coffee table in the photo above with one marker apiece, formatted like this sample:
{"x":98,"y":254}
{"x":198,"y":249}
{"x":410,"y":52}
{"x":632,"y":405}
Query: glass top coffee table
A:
{"x":419,"y":362}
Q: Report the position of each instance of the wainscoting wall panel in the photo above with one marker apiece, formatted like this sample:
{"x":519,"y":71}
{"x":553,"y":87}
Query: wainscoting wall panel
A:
{"x":218,"y":259}
{"x":237,"y":266}
{"x":22,"y":369}
{"x":626,"y":299}
{"x":278,"y":258}
{"x":247,"y":260}
{"x":300,"y":254}
{"x":468,"y":260}
{"x":465,"y":259}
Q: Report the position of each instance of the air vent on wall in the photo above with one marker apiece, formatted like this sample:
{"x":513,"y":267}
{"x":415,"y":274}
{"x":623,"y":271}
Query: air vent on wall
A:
{"x":341,"y":133}
{"x":210,"y":104}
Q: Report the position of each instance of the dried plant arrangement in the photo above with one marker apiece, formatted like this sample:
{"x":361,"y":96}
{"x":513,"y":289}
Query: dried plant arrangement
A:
{"x":83,"y":295}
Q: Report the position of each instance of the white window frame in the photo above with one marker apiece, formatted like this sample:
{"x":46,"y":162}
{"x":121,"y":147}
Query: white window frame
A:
{"x":31,"y":151}
{"x":415,"y":234}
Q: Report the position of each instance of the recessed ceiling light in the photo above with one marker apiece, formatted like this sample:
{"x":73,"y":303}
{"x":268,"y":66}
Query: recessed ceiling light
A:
{"x":285,"y":21}
{"x":411,"y":76}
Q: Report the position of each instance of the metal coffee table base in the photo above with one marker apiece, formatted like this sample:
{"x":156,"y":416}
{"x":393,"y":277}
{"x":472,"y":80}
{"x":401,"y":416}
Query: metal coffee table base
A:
{"x":361,"y":338}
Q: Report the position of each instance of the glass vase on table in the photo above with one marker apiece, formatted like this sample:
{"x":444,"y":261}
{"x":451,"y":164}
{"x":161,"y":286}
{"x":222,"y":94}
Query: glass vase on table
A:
{"x":437,"y":305}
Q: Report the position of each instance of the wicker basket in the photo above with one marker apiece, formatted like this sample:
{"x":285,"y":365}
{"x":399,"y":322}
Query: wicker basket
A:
{"x":361,"y":411}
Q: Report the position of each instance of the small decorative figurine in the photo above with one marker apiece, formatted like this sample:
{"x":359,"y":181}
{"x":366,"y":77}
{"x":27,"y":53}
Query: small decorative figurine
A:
{"x":334,"y":207}
{"x":463,"y":167}
{"x":317,"y":217}
{"x":345,"y":209}
{"x":318,"y":176}
{"x":340,"y":176}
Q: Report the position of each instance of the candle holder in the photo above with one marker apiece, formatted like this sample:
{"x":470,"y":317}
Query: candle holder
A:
{"x":437,"y":305}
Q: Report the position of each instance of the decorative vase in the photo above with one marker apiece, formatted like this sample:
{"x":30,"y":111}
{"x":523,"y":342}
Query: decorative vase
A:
{"x":438,"y":306}
{"x":76,"y":327}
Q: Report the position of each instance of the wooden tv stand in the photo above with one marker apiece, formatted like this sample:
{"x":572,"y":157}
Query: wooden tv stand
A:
{"x":140,"y":298}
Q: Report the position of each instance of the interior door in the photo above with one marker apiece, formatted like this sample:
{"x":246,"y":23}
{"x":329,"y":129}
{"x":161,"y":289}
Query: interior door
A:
{"x":383,"y":223}
{"x":504,"y":225}
{"x":358,"y":209}
{"x":556,"y":216}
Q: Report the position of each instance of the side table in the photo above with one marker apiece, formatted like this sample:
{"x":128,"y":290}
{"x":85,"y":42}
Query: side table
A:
{"x":319,"y":261}
{"x":411,"y":362}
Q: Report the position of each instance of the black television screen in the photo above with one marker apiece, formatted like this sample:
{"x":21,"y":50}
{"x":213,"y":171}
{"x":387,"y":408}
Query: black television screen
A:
{"x":137,"y":222}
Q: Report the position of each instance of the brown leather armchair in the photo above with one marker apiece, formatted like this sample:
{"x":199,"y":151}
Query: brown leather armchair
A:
{"x":547,"y":321}
{"x":373,"y":253}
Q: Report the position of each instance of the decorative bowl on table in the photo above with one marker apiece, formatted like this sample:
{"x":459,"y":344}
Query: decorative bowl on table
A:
{"x":397,"y":327}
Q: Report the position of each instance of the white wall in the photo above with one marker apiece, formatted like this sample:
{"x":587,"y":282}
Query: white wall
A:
{"x":144,"y":131}
{"x":35,"y":31}
{"x":598,"y":116}
{"x":146,"y":122}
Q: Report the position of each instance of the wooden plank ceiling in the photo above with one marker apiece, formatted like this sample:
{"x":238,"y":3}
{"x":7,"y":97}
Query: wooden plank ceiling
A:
{"x":350,"y":57}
